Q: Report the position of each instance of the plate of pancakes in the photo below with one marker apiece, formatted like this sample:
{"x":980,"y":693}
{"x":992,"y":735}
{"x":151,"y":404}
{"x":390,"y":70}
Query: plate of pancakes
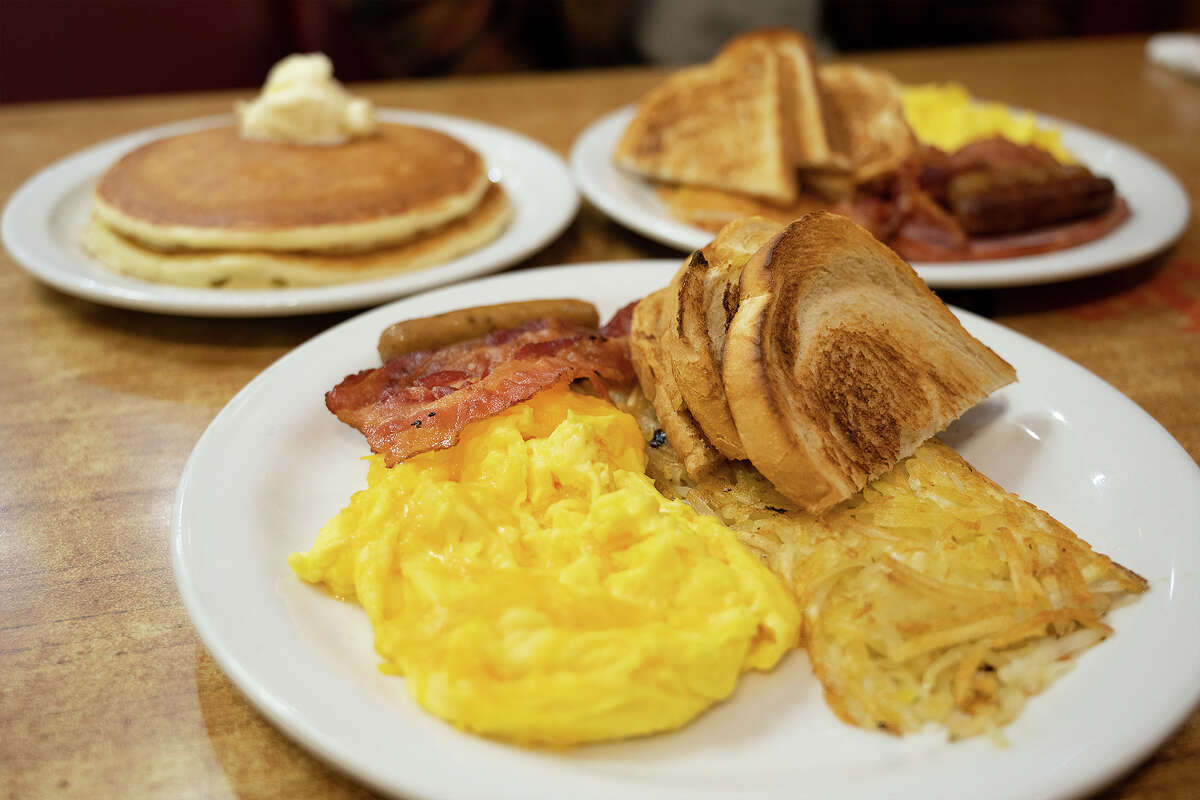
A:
{"x":1158,"y":209}
{"x":190,"y":218}
{"x":275,"y":465}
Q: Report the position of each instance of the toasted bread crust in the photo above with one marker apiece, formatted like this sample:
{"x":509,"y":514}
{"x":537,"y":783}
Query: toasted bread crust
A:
{"x":657,"y":379}
{"x":706,"y":291}
{"x":869,"y":135}
{"x":805,"y":101}
{"x":724,"y":125}
{"x":690,"y":348}
{"x":840,"y":361}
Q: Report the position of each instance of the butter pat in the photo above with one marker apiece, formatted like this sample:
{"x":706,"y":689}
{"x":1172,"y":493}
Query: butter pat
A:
{"x":301,"y":103}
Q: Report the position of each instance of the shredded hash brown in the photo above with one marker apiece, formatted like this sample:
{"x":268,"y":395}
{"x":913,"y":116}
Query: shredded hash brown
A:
{"x":933,"y":596}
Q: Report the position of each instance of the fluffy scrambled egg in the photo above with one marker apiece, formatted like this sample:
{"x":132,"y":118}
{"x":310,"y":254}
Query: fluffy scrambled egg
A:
{"x":531,"y":584}
{"x":945,"y":116}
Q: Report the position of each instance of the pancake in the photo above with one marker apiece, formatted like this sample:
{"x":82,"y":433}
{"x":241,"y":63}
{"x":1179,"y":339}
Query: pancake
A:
{"x":256,"y":269}
{"x":214,"y":190}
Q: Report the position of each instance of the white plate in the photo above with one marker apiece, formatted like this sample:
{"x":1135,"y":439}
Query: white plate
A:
{"x":1157,"y":202}
{"x":44,"y":218}
{"x":274,"y":465}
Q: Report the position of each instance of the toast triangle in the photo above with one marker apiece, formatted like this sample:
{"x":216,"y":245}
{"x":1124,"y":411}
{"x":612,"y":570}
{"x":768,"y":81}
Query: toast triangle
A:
{"x":840,"y":361}
{"x":726,"y":125}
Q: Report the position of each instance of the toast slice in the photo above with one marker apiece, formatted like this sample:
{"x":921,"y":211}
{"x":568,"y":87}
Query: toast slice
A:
{"x":864,"y":118}
{"x":807,"y":103}
{"x":657,"y":379}
{"x":840,"y":361}
{"x":705,"y":298}
{"x":726,"y":125}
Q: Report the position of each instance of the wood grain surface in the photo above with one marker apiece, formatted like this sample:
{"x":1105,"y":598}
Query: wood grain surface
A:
{"x":105,"y":689}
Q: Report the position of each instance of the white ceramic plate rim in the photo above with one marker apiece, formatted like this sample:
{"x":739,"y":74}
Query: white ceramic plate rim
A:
{"x":44,"y":217}
{"x":1158,"y":205}
{"x":258,"y":485}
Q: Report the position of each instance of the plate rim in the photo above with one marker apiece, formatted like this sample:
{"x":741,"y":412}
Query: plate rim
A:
{"x":602,"y":133}
{"x":284,"y":718}
{"x":25,"y":234}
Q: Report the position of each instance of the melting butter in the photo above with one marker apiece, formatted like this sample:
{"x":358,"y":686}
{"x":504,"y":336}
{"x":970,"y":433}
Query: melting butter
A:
{"x":302,"y":103}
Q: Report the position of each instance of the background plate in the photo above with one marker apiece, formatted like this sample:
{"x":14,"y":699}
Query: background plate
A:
{"x":44,"y":218}
{"x":275,"y":465}
{"x":1157,"y":202}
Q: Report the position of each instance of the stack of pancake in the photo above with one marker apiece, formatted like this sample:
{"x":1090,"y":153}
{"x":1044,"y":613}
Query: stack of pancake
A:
{"x":214,"y":209}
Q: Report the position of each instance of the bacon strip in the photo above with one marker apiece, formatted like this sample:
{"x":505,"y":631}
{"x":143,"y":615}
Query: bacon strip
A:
{"x":421,"y":401}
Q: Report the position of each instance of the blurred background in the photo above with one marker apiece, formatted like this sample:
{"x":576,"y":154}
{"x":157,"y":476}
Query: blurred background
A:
{"x":57,"y":49}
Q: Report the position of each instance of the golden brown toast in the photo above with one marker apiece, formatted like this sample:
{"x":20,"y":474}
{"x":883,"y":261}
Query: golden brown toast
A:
{"x":864,"y":120}
{"x":706,"y":295}
{"x":807,"y":102}
{"x":657,"y":379}
{"x":840,"y":361}
{"x":726,"y":125}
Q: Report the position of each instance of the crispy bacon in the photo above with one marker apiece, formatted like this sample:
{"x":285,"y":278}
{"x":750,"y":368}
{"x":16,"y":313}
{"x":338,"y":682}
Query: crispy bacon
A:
{"x":421,"y":401}
{"x":618,"y":327}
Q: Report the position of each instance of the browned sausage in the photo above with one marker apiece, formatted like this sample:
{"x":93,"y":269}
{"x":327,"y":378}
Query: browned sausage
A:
{"x":1022,"y":198}
{"x":428,"y":333}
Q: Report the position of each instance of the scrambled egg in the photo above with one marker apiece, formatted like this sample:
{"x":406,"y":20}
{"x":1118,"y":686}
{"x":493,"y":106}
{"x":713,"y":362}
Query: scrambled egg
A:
{"x":531,"y":584}
{"x":945,"y":116}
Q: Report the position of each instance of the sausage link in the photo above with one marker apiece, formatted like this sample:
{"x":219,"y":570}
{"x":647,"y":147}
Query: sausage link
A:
{"x":429,"y":333}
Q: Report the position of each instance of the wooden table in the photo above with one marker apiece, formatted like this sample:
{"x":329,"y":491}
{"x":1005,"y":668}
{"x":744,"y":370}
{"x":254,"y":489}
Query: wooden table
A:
{"x":105,"y":689}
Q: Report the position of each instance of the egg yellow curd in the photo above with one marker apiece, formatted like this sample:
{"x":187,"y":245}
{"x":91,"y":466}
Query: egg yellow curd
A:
{"x":531,"y":584}
{"x":946,"y":116}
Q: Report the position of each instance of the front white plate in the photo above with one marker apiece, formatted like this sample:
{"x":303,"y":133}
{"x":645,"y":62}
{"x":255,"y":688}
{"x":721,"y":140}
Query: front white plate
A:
{"x":44,"y":218}
{"x":1157,"y":202}
{"x":275,"y":465}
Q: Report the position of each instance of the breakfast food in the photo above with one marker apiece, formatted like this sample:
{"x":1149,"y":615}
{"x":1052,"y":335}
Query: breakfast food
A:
{"x":422,"y":400}
{"x":840,"y":361}
{"x":531,"y":584}
{"x":256,"y":269}
{"x":819,"y":356}
{"x":869,"y":137}
{"x":861,"y":145}
{"x":237,"y":207}
{"x":302,"y":103}
{"x":726,"y":125}
{"x":215,"y":190}
{"x":657,"y":378}
{"x":945,"y":116}
{"x":702,"y":299}
{"x":430,"y":333}
{"x":933,"y":596}
{"x":548,"y":544}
